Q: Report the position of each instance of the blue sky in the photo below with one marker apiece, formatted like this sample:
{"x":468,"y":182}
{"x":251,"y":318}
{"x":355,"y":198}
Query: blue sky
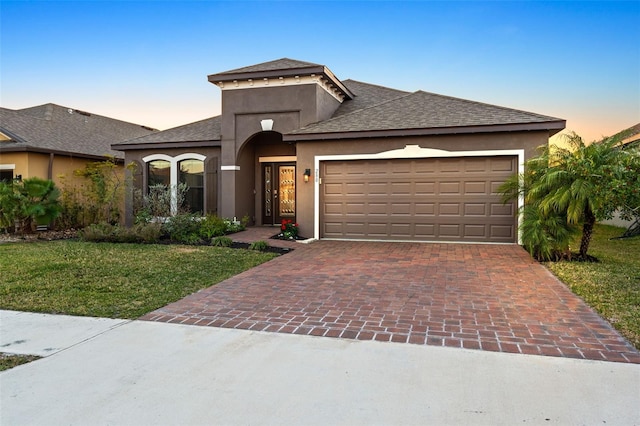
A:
{"x":147,"y":62}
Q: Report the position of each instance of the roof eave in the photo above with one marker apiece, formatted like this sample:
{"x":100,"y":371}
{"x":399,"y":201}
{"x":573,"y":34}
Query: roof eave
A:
{"x":29,"y":148}
{"x":552,"y":127}
{"x":290,"y":72}
{"x":156,"y":145}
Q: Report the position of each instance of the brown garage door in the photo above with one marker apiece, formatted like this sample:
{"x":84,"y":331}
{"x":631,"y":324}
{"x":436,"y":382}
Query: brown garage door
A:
{"x":431,"y":199}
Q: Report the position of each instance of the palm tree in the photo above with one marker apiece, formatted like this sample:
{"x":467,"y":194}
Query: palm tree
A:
{"x":575,"y":184}
{"x":546,"y":236}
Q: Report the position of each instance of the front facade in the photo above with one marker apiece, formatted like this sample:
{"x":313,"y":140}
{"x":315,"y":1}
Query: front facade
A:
{"x":346,"y":159}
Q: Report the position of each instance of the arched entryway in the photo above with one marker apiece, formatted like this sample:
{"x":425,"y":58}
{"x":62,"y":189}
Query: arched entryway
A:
{"x":270,"y":191}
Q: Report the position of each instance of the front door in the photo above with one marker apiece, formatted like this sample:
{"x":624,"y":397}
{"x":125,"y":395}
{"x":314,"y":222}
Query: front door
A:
{"x":279,"y":194}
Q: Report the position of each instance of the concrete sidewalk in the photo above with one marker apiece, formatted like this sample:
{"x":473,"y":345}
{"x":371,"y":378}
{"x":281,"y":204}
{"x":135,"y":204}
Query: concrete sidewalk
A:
{"x":135,"y":373}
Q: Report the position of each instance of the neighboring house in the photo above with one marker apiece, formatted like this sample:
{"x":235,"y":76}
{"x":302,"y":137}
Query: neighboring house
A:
{"x":346,"y":159}
{"x":49,"y":141}
{"x":630,"y":138}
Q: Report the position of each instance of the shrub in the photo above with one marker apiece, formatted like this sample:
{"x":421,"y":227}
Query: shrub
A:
{"x":184,"y":228}
{"x":27,"y":203}
{"x":212,"y":226}
{"x":106,"y":232}
{"x":158,"y":204}
{"x":259,"y":246}
{"x":222,"y":242}
{"x":99,"y":232}
{"x":96,"y":198}
{"x":289,"y":229}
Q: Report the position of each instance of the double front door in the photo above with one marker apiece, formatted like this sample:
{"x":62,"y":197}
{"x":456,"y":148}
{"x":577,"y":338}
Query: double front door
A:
{"x":279,"y":193}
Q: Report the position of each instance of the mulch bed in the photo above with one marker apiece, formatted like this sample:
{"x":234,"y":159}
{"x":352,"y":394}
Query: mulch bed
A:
{"x":73,"y":234}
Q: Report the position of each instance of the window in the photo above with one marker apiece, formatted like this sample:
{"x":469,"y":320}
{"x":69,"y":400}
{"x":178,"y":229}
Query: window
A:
{"x":191,"y":173}
{"x":159,"y":173}
{"x":6,"y":175}
{"x":171,"y":171}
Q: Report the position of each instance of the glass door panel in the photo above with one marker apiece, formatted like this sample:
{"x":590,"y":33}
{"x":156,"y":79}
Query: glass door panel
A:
{"x":287,"y":204}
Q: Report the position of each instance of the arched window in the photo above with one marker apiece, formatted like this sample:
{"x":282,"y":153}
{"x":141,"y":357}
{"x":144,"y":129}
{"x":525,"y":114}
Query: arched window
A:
{"x":171,"y":171}
{"x":159,"y":173}
{"x":191,"y":173}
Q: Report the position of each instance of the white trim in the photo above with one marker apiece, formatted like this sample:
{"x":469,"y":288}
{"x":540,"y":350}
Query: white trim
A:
{"x":321,"y":81}
{"x":411,"y":151}
{"x":235,"y":168}
{"x":154,"y":157}
{"x":280,"y":159}
{"x":7,"y":166}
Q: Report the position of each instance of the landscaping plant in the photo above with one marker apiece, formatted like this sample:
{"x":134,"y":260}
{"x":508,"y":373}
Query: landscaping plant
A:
{"x":27,"y":203}
{"x":97,"y":196}
{"x":567,"y":190}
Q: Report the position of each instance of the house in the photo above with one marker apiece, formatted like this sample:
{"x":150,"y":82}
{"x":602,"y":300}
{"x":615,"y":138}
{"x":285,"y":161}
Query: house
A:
{"x":346,"y":159}
{"x":631,"y":136}
{"x":49,"y":141}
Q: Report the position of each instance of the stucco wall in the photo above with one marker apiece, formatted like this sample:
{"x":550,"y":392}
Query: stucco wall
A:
{"x":212,"y":173}
{"x":306,"y":152}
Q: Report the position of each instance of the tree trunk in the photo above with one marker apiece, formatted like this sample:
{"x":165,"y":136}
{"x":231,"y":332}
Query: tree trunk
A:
{"x":587,"y":231}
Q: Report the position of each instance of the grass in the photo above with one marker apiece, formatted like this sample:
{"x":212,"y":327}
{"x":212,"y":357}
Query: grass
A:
{"x":9,"y":361}
{"x":611,"y":286}
{"x":111,"y":280}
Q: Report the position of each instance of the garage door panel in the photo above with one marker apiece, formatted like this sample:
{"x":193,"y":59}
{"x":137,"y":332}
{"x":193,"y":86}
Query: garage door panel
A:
{"x":425,"y":209}
{"x":475,"y":209}
{"x":503,"y":165}
{"x":425,"y":188}
{"x":451,"y":199}
{"x":501,"y":231}
{"x":449,"y":209}
{"x":503,"y":210}
{"x":450,"y":165}
{"x":475,"y":231}
{"x":378,"y":188}
{"x":449,"y":230}
{"x":450,"y":187}
{"x":476,"y":165}
{"x":401,"y":188}
{"x":333,"y":189}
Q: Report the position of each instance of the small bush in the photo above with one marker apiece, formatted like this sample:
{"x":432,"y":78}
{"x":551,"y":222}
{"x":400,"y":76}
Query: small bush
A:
{"x":105,"y":232}
{"x":183,"y":228}
{"x":147,"y":232}
{"x":212,"y":226}
{"x":222,"y":242}
{"x":259,"y":246}
{"x":99,"y":232}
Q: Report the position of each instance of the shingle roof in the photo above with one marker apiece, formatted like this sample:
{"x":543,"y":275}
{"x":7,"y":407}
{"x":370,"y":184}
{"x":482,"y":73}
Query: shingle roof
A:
{"x":54,"y":128}
{"x":630,"y":136}
{"x":277,"y":65}
{"x":284,"y":67}
{"x":422,"y":110}
{"x":206,"y":130}
{"x":366,"y":95}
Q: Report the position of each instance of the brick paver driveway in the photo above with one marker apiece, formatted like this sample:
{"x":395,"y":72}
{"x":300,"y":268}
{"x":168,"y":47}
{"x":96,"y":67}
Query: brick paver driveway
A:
{"x":487,"y":297}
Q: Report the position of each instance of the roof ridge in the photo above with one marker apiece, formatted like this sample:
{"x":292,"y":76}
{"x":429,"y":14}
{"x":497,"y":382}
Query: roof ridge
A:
{"x":376,"y":85}
{"x":329,"y":120}
{"x":59,"y":107}
{"x":469,"y":101}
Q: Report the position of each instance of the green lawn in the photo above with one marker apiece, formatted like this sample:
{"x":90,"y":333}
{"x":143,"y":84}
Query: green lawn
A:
{"x":8,"y":361}
{"x":611,"y":286}
{"x":111,"y":280}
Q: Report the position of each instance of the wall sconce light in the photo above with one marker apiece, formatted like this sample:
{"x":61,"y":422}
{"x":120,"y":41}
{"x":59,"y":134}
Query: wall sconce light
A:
{"x":19,"y":178}
{"x":267,"y":125}
{"x":307,"y":173}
